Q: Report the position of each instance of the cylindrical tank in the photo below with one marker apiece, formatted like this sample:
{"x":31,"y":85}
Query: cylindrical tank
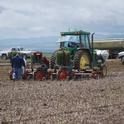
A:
{"x":59,"y":57}
{"x":67,"y":58}
{"x":63,"y":58}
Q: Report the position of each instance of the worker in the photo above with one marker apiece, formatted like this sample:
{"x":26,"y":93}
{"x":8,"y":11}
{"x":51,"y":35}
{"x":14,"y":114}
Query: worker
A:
{"x":17,"y":65}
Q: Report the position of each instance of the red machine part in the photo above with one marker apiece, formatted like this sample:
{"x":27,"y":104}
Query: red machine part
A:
{"x":94,"y":74}
{"x":63,"y":74}
{"x":38,"y":55}
{"x":39,"y":75}
{"x":45,"y":61}
{"x":40,"y":58}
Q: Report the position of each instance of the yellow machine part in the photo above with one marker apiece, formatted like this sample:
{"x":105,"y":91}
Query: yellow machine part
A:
{"x":84,"y":61}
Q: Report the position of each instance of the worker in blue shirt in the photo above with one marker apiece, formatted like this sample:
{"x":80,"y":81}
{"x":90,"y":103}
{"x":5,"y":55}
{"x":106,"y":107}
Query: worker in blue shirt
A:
{"x":17,"y":64}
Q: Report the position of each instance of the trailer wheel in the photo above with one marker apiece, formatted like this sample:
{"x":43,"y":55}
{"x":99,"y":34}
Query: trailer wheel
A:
{"x":81,"y":60}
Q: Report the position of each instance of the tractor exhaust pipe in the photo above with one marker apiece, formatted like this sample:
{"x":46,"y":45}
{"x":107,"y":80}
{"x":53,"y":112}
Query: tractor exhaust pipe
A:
{"x":92,"y":47}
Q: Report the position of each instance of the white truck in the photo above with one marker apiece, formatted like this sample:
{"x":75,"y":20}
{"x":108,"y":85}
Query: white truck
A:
{"x":121,"y":56}
{"x":4,"y":54}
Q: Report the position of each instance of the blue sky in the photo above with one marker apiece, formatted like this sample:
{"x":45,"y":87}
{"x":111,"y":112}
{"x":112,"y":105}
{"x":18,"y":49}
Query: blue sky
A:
{"x":37,"y":18}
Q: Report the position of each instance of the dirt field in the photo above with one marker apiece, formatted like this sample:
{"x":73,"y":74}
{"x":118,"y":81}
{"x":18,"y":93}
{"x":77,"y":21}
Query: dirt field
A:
{"x":64,"y":102}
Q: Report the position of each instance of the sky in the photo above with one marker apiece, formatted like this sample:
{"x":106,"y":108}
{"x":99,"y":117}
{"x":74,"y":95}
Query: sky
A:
{"x":37,"y":18}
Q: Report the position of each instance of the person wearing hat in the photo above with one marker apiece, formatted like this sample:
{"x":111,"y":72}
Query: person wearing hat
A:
{"x":17,"y":63}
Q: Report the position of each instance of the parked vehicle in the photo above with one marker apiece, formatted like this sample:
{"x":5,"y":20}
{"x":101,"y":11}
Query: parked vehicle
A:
{"x":77,"y":53}
{"x":121,"y":56}
{"x":4,"y":54}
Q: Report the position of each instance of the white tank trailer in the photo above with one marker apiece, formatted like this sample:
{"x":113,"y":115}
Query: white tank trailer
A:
{"x":114,"y":46}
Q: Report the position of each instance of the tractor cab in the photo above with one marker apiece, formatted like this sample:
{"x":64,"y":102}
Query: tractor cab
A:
{"x":76,"y":39}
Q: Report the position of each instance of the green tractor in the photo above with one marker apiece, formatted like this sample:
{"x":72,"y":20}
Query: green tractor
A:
{"x":76,"y":51}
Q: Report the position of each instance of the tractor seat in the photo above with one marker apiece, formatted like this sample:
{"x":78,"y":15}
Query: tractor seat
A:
{"x":72,"y":45}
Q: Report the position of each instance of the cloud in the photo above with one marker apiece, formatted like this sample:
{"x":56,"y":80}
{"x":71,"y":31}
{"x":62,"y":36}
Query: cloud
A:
{"x":2,"y":9}
{"x":28,"y":18}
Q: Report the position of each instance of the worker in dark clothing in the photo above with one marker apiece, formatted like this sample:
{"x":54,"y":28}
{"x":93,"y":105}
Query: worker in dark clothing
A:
{"x":17,"y":64}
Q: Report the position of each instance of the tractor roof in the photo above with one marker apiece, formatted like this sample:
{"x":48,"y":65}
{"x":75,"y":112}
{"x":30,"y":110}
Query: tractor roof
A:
{"x":75,"y":33}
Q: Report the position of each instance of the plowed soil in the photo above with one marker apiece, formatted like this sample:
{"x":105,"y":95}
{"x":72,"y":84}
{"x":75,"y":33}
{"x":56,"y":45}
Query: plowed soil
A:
{"x":87,"y":101}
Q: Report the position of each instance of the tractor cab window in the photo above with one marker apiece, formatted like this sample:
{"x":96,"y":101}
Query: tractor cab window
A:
{"x":65,"y":44}
{"x":71,"y":41}
{"x":69,"y":38}
{"x":85,"y":41}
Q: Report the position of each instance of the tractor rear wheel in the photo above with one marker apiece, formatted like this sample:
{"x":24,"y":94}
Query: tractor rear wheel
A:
{"x":82,"y":59}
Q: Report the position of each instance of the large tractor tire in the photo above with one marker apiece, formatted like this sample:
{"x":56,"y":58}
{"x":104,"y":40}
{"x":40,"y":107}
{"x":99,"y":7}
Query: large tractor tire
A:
{"x":82,"y":60}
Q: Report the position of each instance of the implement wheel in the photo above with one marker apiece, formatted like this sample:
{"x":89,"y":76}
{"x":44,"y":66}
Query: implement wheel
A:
{"x":62,"y":75}
{"x":82,"y":60}
{"x":104,"y":71}
{"x":39,"y":75}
